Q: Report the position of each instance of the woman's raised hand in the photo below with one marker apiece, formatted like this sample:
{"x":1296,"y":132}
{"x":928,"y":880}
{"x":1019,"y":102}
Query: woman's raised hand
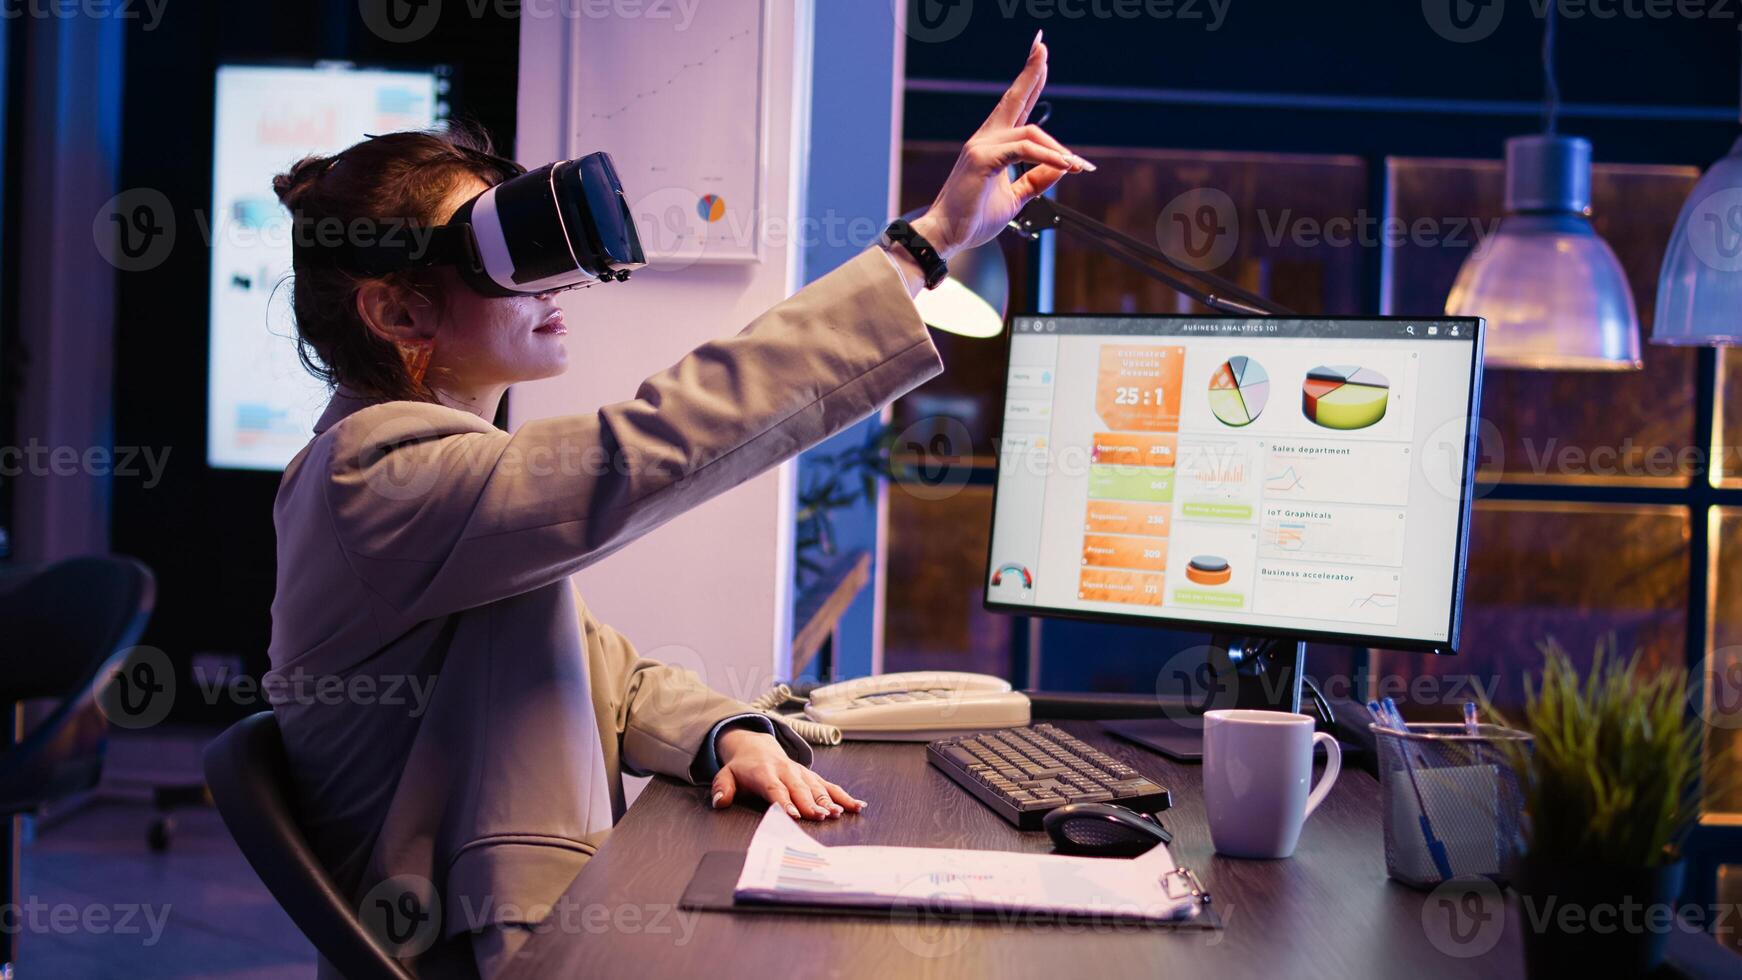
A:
{"x":979,"y":198}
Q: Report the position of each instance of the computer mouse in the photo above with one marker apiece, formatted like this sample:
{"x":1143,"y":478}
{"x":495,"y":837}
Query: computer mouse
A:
{"x":1104,"y":830}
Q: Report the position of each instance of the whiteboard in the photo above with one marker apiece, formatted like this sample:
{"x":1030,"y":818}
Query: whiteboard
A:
{"x":677,"y":95}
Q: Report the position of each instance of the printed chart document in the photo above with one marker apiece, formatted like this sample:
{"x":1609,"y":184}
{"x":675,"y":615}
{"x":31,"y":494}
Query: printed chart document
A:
{"x":785,"y":866}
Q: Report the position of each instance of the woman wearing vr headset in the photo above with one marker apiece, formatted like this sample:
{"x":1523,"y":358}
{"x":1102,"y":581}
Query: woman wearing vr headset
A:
{"x":423,"y":550}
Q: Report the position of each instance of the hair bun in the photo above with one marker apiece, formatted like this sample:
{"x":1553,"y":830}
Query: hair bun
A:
{"x":292,"y":185}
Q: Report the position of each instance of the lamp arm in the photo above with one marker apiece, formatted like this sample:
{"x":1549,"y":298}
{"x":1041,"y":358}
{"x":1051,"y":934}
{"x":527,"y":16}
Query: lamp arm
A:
{"x":1043,"y":213}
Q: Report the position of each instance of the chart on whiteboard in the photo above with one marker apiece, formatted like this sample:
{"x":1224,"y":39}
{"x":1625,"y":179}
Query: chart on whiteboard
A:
{"x":677,"y":101}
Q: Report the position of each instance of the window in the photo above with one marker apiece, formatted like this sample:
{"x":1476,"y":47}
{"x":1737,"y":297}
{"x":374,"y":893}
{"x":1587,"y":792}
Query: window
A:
{"x":1599,"y":514}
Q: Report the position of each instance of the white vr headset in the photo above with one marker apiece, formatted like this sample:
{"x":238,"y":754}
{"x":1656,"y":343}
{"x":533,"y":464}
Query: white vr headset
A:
{"x":564,"y":225}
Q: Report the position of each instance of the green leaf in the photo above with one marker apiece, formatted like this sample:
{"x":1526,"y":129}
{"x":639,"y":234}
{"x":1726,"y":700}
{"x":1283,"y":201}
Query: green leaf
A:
{"x":1611,"y":774}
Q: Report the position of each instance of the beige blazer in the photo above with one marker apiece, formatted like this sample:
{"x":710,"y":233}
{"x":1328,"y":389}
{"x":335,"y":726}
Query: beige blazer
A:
{"x":456,"y":720}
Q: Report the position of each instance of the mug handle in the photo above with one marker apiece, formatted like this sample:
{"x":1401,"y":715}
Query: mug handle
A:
{"x":1333,"y":766}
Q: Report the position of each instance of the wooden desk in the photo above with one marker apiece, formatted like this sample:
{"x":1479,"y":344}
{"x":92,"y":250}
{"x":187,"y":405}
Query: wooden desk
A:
{"x":1329,"y":911}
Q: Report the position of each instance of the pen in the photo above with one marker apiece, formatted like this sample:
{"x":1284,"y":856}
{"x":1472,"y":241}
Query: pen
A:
{"x":1473,"y":729}
{"x":1378,"y":713}
{"x":1390,"y":707}
{"x":1436,"y":848}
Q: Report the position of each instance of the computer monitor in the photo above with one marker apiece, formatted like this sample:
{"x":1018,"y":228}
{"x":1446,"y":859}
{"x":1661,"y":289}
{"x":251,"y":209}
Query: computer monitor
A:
{"x":1287,"y":478}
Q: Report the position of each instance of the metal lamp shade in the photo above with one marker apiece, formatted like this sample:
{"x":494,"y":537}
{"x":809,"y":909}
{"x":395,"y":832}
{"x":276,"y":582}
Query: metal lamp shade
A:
{"x":1553,"y":293}
{"x":1699,"y":291}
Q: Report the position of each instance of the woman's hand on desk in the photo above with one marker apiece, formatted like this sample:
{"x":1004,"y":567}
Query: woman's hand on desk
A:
{"x":753,"y":762}
{"x":979,"y":198}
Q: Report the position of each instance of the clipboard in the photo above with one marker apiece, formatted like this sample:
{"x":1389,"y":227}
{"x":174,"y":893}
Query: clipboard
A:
{"x":711,"y":889}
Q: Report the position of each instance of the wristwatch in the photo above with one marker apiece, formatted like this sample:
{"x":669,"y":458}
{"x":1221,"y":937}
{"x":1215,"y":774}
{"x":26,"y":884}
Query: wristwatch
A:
{"x":930,"y":262}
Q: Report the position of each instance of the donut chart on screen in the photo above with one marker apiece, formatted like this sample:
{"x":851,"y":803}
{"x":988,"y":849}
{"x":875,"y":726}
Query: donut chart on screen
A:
{"x":1345,"y":397}
{"x":1238,"y":391}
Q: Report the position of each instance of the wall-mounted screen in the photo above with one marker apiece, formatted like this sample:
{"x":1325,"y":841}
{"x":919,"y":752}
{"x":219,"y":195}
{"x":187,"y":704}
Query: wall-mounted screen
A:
{"x":261,"y":403}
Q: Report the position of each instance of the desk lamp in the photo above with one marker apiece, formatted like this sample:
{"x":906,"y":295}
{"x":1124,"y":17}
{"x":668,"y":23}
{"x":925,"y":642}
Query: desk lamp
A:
{"x":1258,"y":664}
{"x":971,"y":301}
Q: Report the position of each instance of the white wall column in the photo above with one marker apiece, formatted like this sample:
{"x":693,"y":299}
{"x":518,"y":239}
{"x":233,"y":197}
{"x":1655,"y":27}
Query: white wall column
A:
{"x":712,"y":589}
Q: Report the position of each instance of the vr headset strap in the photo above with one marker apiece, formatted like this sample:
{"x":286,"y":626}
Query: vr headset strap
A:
{"x":394,"y":248}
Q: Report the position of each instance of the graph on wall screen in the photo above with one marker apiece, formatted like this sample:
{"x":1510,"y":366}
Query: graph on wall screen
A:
{"x":261,"y":404}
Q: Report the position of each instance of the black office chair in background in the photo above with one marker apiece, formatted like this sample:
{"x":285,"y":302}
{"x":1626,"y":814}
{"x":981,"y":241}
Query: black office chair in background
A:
{"x":64,"y":631}
{"x":248,"y":773}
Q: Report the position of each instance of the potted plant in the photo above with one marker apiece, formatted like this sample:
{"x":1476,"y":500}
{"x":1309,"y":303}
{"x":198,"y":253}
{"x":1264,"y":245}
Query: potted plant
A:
{"x":1610,"y":790}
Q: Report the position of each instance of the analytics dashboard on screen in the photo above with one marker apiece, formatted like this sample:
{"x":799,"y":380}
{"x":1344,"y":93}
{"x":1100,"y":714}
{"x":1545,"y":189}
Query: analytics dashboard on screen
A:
{"x":261,"y":403}
{"x":1295,"y":475}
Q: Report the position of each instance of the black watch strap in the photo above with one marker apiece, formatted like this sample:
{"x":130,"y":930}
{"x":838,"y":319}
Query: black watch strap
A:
{"x":930,"y":262}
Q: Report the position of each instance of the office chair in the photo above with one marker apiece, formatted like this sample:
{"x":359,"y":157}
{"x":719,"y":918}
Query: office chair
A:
{"x":64,"y":630}
{"x":248,"y":772}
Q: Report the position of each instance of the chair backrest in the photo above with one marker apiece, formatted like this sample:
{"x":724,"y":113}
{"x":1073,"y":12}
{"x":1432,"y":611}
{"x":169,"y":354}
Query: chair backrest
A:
{"x":248,"y":773}
{"x":64,"y":629}
{"x":60,"y":623}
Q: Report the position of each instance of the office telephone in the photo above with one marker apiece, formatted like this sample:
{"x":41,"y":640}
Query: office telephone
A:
{"x":918,"y":706}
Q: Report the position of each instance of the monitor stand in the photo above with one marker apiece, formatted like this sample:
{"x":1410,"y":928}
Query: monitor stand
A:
{"x":1239,"y":672}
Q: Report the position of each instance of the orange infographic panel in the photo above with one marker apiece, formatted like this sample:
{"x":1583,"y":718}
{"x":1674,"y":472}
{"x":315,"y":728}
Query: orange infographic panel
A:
{"x":1107,"y":551}
{"x":1138,"y":387}
{"x":1110,"y":585}
{"x":1134,"y":448}
{"x":1127,"y":517}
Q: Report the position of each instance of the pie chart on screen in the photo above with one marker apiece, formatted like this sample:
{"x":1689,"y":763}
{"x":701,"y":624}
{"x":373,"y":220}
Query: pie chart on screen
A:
{"x":1344,"y":397}
{"x":1238,"y":391}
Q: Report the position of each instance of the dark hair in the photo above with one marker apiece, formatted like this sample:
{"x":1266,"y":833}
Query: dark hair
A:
{"x":394,"y":180}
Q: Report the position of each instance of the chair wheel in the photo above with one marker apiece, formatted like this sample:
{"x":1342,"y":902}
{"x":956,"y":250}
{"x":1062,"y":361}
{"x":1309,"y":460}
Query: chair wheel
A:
{"x":158,"y":837}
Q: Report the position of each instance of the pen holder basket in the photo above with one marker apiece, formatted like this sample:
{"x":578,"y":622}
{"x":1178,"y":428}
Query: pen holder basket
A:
{"x":1466,"y":785}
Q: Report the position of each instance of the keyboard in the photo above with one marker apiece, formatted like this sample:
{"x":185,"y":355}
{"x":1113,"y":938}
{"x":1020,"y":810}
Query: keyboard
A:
{"x":1023,"y":773}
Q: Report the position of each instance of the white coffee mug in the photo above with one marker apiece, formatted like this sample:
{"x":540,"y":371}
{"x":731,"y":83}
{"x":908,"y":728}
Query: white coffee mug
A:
{"x":1258,"y":767}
